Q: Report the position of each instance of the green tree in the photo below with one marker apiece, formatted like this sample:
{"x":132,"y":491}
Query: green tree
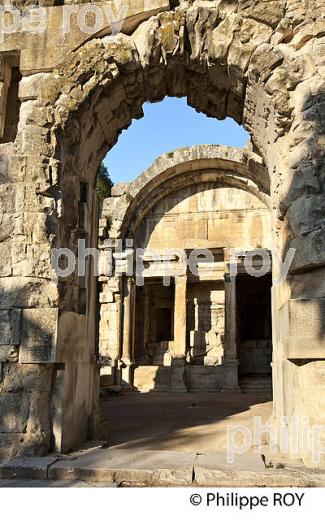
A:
{"x":103,"y":182}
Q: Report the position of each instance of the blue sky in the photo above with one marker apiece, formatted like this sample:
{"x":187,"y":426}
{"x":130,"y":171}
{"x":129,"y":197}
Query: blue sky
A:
{"x":165,"y":126}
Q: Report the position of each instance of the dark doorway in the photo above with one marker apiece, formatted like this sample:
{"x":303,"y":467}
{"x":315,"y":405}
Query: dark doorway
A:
{"x":164,"y":330}
{"x":154,"y":318}
{"x":254,"y":331}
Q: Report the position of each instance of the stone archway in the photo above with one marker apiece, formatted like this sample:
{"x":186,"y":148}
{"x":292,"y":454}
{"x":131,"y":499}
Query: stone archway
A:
{"x":242,"y":167}
{"x":183,"y":203}
{"x":261,"y":65}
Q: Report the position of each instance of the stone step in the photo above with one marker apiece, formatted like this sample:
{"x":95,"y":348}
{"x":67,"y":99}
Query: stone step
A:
{"x":138,"y":467}
{"x":110,"y":390}
{"x":263,"y":384}
{"x":255,"y":390}
{"x":256,"y":385}
{"x":44,"y":483}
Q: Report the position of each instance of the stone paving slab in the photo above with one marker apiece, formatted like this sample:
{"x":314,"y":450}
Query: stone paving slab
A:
{"x":220,"y":477}
{"x":246,"y":461}
{"x":144,"y":467}
{"x":204,"y":477}
{"x":248,"y":470}
{"x":45,"y":483}
{"x":27,"y":467}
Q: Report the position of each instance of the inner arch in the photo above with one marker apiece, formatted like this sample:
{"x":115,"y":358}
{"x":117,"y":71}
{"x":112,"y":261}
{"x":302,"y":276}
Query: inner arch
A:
{"x":208,"y":198}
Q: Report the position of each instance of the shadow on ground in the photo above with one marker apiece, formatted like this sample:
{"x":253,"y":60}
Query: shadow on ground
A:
{"x":176,"y":421}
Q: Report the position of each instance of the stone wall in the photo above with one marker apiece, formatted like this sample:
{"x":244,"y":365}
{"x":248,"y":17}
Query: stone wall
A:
{"x":207,"y":215}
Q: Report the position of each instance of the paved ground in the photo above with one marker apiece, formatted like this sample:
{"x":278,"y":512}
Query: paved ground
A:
{"x":118,"y":467}
{"x":164,"y":439}
{"x":193,"y":422}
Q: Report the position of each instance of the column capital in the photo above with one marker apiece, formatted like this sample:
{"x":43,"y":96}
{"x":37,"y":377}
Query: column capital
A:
{"x":180,"y":278}
{"x":229,"y":278}
{"x":130,"y":280}
{"x":128,"y":284}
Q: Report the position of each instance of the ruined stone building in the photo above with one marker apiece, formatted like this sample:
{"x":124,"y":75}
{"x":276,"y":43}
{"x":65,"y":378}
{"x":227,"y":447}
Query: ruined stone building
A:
{"x":195,"y":199}
{"x":65,"y":96}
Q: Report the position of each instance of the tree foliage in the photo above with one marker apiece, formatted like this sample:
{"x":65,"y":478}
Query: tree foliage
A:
{"x":103,"y":183}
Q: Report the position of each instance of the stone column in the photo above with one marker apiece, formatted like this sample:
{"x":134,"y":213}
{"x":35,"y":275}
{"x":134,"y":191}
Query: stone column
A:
{"x":180,"y":317}
{"x":230,"y":359}
{"x":128,"y":330}
{"x":178,"y":362}
{"x":146,"y":319}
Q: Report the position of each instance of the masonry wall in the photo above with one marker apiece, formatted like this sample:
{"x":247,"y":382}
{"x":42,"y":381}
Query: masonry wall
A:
{"x":207,"y":216}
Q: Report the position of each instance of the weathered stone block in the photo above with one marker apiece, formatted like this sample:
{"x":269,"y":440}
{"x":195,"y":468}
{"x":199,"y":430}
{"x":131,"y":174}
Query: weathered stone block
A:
{"x":10,"y":327}
{"x":38,"y":344}
{"x":29,"y":86}
{"x":8,"y":354}
{"x":306,"y":329}
{"x":24,"y":401}
{"x":119,"y":189}
{"x":14,"y":412}
{"x":5,"y":259}
{"x":27,"y":467}
{"x":4,"y":166}
{"x":24,"y":292}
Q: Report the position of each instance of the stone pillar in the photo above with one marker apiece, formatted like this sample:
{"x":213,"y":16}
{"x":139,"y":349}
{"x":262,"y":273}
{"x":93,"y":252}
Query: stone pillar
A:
{"x":180,"y":317}
{"x":230,"y":358}
{"x":146,"y":319}
{"x":178,"y":362}
{"x":128,"y":330}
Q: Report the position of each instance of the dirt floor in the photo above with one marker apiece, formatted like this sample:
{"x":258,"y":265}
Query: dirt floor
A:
{"x":176,"y":421}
